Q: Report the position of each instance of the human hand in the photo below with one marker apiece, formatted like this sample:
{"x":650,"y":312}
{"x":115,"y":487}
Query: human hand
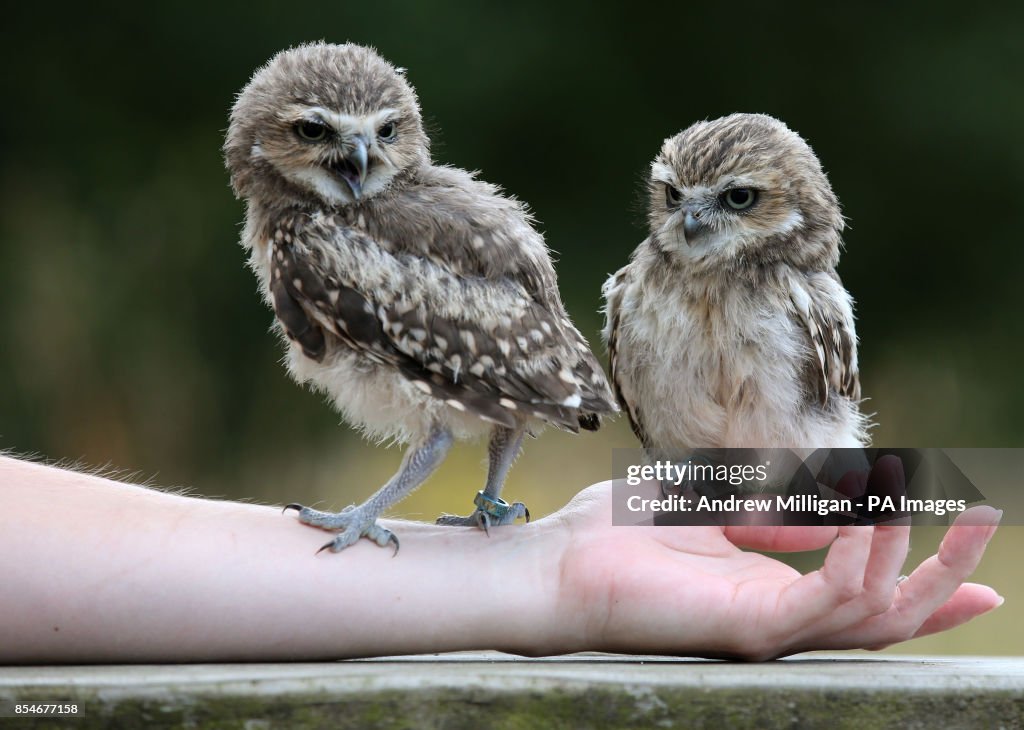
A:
{"x":693,"y":591}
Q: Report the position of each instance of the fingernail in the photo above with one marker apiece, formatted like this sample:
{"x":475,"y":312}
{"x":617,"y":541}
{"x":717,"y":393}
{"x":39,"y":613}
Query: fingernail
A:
{"x":994,"y":524}
{"x":1001,"y":601}
{"x":992,"y":529}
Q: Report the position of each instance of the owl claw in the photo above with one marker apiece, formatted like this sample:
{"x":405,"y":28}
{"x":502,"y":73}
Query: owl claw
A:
{"x":349,"y":536}
{"x":294,"y":505}
{"x":351,"y":524}
{"x":486,"y":520}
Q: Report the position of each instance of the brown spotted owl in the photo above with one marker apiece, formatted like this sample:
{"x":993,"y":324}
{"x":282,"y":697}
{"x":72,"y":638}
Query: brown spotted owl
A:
{"x":419,"y":299}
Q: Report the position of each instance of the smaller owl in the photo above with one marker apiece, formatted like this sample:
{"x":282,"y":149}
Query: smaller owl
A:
{"x":729,"y":327}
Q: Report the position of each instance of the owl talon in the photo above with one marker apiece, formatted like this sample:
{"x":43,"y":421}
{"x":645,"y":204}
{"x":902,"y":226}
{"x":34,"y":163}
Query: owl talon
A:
{"x":485,"y":519}
{"x":351,"y":523}
{"x":294,"y":505}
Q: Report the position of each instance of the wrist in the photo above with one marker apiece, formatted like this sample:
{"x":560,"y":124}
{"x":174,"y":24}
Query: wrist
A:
{"x":528,"y":613}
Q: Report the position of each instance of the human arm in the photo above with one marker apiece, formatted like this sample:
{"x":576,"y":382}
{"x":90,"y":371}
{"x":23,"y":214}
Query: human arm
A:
{"x":98,"y":571}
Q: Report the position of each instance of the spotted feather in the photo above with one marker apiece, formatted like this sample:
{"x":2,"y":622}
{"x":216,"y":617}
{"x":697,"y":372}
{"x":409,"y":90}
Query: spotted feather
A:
{"x":830,"y":331}
{"x":515,"y":364}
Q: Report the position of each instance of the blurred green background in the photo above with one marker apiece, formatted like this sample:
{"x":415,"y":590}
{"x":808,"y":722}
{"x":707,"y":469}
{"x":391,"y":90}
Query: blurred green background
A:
{"x":133,"y":335}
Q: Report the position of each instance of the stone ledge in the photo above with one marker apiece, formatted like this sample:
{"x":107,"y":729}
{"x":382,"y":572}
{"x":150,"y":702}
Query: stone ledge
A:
{"x":490,"y":690}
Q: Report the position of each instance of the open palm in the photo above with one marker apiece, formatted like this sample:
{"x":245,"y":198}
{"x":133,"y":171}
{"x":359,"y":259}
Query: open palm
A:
{"x":694,"y":591}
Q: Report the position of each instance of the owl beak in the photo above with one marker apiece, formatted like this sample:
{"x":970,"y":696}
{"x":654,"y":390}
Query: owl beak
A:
{"x":693,"y":226}
{"x":359,"y":157}
{"x":353,"y":167}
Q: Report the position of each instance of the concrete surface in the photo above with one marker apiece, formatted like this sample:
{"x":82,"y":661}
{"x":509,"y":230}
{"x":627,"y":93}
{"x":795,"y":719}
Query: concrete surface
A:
{"x":490,"y":690}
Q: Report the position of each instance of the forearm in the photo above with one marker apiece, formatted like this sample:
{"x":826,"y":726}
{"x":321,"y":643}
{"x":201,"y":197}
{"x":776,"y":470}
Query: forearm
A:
{"x":93,"y":570}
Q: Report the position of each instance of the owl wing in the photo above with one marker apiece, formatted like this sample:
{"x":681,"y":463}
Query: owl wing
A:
{"x":483,"y":346}
{"x":824,"y":307}
{"x":476,"y":231}
{"x":613,"y":291}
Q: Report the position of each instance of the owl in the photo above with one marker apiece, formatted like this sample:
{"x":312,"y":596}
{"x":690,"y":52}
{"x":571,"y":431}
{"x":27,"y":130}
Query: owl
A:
{"x":730,"y":327}
{"x":419,"y":299}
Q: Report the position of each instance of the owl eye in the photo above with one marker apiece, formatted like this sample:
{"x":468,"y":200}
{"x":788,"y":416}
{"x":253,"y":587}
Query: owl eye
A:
{"x":739,"y":198}
{"x":311,"y":131}
{"x":388,"y":132}
{"x":672,"y":196}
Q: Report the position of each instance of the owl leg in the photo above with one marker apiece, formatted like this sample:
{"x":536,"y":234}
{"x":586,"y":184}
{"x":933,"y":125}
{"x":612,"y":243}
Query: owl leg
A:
{"x":353,"y":522}
{"x":491,"y":509}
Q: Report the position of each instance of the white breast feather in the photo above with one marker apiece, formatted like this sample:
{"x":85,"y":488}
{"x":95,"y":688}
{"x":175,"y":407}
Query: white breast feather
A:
{"x":728,"y":379}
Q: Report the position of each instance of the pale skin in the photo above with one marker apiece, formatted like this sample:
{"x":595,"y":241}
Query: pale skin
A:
{"x":99,"y":571}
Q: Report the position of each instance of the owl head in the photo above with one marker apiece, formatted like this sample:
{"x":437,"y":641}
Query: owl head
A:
{"x":743,"y":189}
{"x":331,"y":124}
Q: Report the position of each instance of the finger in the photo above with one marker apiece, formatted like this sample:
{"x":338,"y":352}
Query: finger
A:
{"x":928,"y":593}
{"x":783,"y":539}
{"x":874,"y":595}
{"x":890,"y":544}
{"x":935,"y":580}
{"x":840,"y":579}
{"x":969,"y":601}
{"x":794,"y":538}
{"x":853,"y":484}
{"x":889,"y":550}
{"x":887,"y":479}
